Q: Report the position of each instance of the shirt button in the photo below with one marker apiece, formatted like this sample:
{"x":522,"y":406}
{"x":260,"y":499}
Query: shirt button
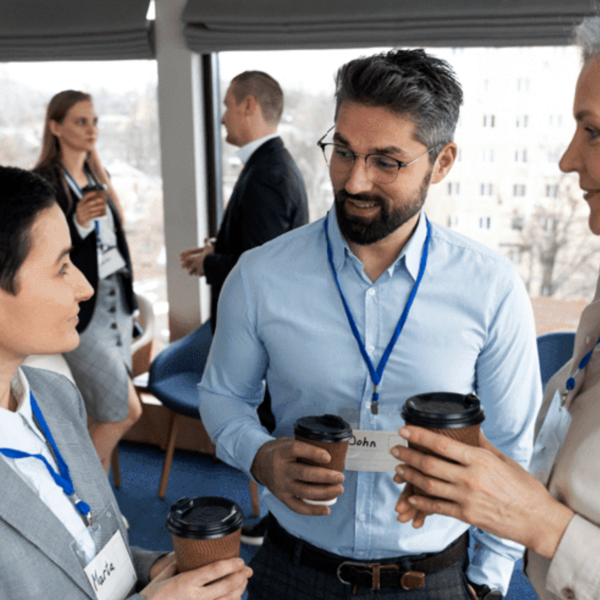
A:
{"x":370,"y":349}
{"x":113,"y":325}
{"x":371,"y":292}
{"x":567,"y":593}
{"x":112,"y":293}
{"x":362,"y":517}
{"x":112,"y":309}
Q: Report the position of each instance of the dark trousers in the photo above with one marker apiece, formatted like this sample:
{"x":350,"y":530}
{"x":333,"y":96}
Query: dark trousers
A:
{"x":280,"y":576}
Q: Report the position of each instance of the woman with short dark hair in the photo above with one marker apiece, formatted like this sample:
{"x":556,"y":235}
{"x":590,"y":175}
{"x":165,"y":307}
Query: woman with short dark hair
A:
{"x":59,"y":518}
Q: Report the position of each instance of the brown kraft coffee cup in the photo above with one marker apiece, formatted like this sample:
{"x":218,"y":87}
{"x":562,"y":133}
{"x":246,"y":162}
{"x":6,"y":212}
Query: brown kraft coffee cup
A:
{"x":204,"y":530}
{"x":457,"y":416}
{"x":329,"y":432}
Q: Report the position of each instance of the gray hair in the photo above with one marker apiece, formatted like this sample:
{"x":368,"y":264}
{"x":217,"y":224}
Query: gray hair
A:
{"x":407,"y":82}
{"x":587,"y":38}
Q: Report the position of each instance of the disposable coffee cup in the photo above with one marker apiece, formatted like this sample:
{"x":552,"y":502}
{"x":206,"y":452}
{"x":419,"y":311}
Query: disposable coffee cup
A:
{"x":204,"y":530}
{"x":329,"y":432}
{"x":100,"y":191}
{"x":457,"y":416}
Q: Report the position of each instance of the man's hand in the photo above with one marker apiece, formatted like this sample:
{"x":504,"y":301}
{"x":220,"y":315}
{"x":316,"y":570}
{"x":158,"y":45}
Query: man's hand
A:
{"x":91,"y":206}
{"x":193,"y":259}
{"x":276,"y":466}
{"x":223,"y":580}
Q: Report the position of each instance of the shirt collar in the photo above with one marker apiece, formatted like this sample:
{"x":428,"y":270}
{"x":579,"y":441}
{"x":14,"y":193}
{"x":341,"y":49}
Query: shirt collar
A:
{"x":245,"y":152}
{"x":411,"y":253}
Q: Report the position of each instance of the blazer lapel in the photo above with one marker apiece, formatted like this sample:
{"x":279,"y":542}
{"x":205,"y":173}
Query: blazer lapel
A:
{"x":21,"y":508}
{"x":588,"y":332}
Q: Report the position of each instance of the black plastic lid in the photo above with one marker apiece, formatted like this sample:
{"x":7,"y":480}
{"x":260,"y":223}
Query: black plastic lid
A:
{"x":204,"y":518}
{"x":323,"y":428}
{"x":443,"y":410}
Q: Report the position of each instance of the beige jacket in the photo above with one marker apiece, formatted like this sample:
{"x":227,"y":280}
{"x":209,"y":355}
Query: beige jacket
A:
{"x":574,"y":572}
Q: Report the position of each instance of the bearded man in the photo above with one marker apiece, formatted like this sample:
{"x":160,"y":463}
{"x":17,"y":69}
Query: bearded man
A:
{"x":351,"y":316}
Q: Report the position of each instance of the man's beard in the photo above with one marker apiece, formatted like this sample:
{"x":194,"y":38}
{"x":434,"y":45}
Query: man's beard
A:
{"x":368,"y":231}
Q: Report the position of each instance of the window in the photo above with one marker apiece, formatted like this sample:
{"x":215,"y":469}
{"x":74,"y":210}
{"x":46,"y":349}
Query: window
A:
{"x":452,"y":221}
{"x":489,"y":120}
{"x":552,"y":191}
{"x":522,"y":85}
{"x":486,"y":189}
{"x":459,"y":155}
{"x":522,"y":121}
{"x":521,"y":155}
{"x":518,"y":190}
{"x":485,"y":222}
{"x":487,"y":155}
{"x":555,"y":121}
{"x":453,"y":188}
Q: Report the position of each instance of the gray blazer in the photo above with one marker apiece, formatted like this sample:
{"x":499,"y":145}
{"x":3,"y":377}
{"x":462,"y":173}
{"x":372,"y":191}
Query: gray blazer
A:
{"x":36,"y":560}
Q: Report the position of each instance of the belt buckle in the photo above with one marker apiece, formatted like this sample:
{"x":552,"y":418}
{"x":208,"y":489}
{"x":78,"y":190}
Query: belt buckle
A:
{"x":375,"y":569}
{"x":350,"y":564}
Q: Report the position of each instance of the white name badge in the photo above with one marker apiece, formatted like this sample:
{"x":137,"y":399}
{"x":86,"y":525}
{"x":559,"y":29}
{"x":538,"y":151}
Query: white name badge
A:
{"x":370,"y":451}
{"x":111,"y":573}
{"x":110,"y":262}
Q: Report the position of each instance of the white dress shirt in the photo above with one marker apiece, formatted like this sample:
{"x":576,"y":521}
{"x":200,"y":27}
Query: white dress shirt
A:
{"x":245,"y":152}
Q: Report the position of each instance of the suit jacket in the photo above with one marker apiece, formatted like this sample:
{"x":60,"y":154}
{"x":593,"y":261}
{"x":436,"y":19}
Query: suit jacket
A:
{"x":269,"y":198}
{"x":84,"y":254}
{"x":574,"y":572}
{"x":36,"y":560}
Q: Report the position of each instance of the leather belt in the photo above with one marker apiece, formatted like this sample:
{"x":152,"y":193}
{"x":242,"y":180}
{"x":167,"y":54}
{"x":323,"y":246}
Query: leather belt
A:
{"x":387,"y":573}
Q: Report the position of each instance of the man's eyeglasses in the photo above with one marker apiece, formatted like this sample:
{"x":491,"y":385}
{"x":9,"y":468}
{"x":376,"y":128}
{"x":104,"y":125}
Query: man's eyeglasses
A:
{"x":380,"y":168}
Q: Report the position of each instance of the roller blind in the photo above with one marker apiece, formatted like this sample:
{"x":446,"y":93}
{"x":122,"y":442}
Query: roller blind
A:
{"x":296,"y":24}
{"x":35,"y":30}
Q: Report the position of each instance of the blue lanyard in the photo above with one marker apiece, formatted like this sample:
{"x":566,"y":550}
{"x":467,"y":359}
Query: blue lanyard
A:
{"x":62,"y":479}
{"x":377,"y":374}
{"x":582,"y":364}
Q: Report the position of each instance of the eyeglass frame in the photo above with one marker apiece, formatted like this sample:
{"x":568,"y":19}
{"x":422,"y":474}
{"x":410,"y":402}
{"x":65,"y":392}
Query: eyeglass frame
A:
{"x":366,"y":156}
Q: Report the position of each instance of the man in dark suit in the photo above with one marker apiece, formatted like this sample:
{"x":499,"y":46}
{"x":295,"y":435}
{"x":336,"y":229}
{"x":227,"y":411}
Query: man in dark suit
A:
{"x":268,"y":199}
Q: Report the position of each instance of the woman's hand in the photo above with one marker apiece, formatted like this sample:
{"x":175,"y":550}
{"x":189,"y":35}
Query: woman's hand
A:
{"x":91,"y":206}
{"x":485,"y":488}
{"x":222,"y":580}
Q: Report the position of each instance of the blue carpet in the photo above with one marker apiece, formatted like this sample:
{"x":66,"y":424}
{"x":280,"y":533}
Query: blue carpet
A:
{"x":194,"y":474}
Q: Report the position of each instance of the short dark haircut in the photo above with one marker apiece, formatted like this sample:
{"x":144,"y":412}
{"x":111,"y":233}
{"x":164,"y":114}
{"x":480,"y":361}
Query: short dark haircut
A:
{"x":23,"y":195}
{"x":408,"y":82}
{"x":264,"y":88}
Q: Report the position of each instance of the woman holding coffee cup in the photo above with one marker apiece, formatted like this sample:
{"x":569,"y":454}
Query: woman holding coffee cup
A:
{"x":556,"y":514}
{"x":101,"y":365}
{"x":59,"y":520}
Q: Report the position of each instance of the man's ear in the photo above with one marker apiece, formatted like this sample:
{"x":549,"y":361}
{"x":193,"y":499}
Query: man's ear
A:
{"x":444,"y":161}
{"x":250,"y":105}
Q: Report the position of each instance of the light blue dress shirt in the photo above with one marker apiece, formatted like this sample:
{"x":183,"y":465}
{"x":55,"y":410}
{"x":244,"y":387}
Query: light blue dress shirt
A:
{"x":281,"y":318}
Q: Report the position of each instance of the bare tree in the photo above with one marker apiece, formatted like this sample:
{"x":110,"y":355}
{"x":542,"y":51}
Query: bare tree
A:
{"x":562,"y":252}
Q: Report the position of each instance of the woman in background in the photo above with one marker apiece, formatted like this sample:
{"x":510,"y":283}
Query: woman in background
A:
{"x":101,"y":365}
{"x":556,"y":516}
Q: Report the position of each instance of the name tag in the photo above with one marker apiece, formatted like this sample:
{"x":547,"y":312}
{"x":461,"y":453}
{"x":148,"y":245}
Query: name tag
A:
{"x":111,"y":574}
{"x":111,"y":261}
{"x":370,"y":451}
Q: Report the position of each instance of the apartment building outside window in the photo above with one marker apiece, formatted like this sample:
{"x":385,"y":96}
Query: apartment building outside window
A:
{"x":487,"y":155}
{"x":519,"y":190}
{"x":489,"y":120}
{"x":453,"y":188}
{"x":485,"y":222}
{"x":522,"y":85}
{"x":521,"y":155}
{"x":522,"y":121}
{"x":486,"y":189}
{"x":552,"y":190}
